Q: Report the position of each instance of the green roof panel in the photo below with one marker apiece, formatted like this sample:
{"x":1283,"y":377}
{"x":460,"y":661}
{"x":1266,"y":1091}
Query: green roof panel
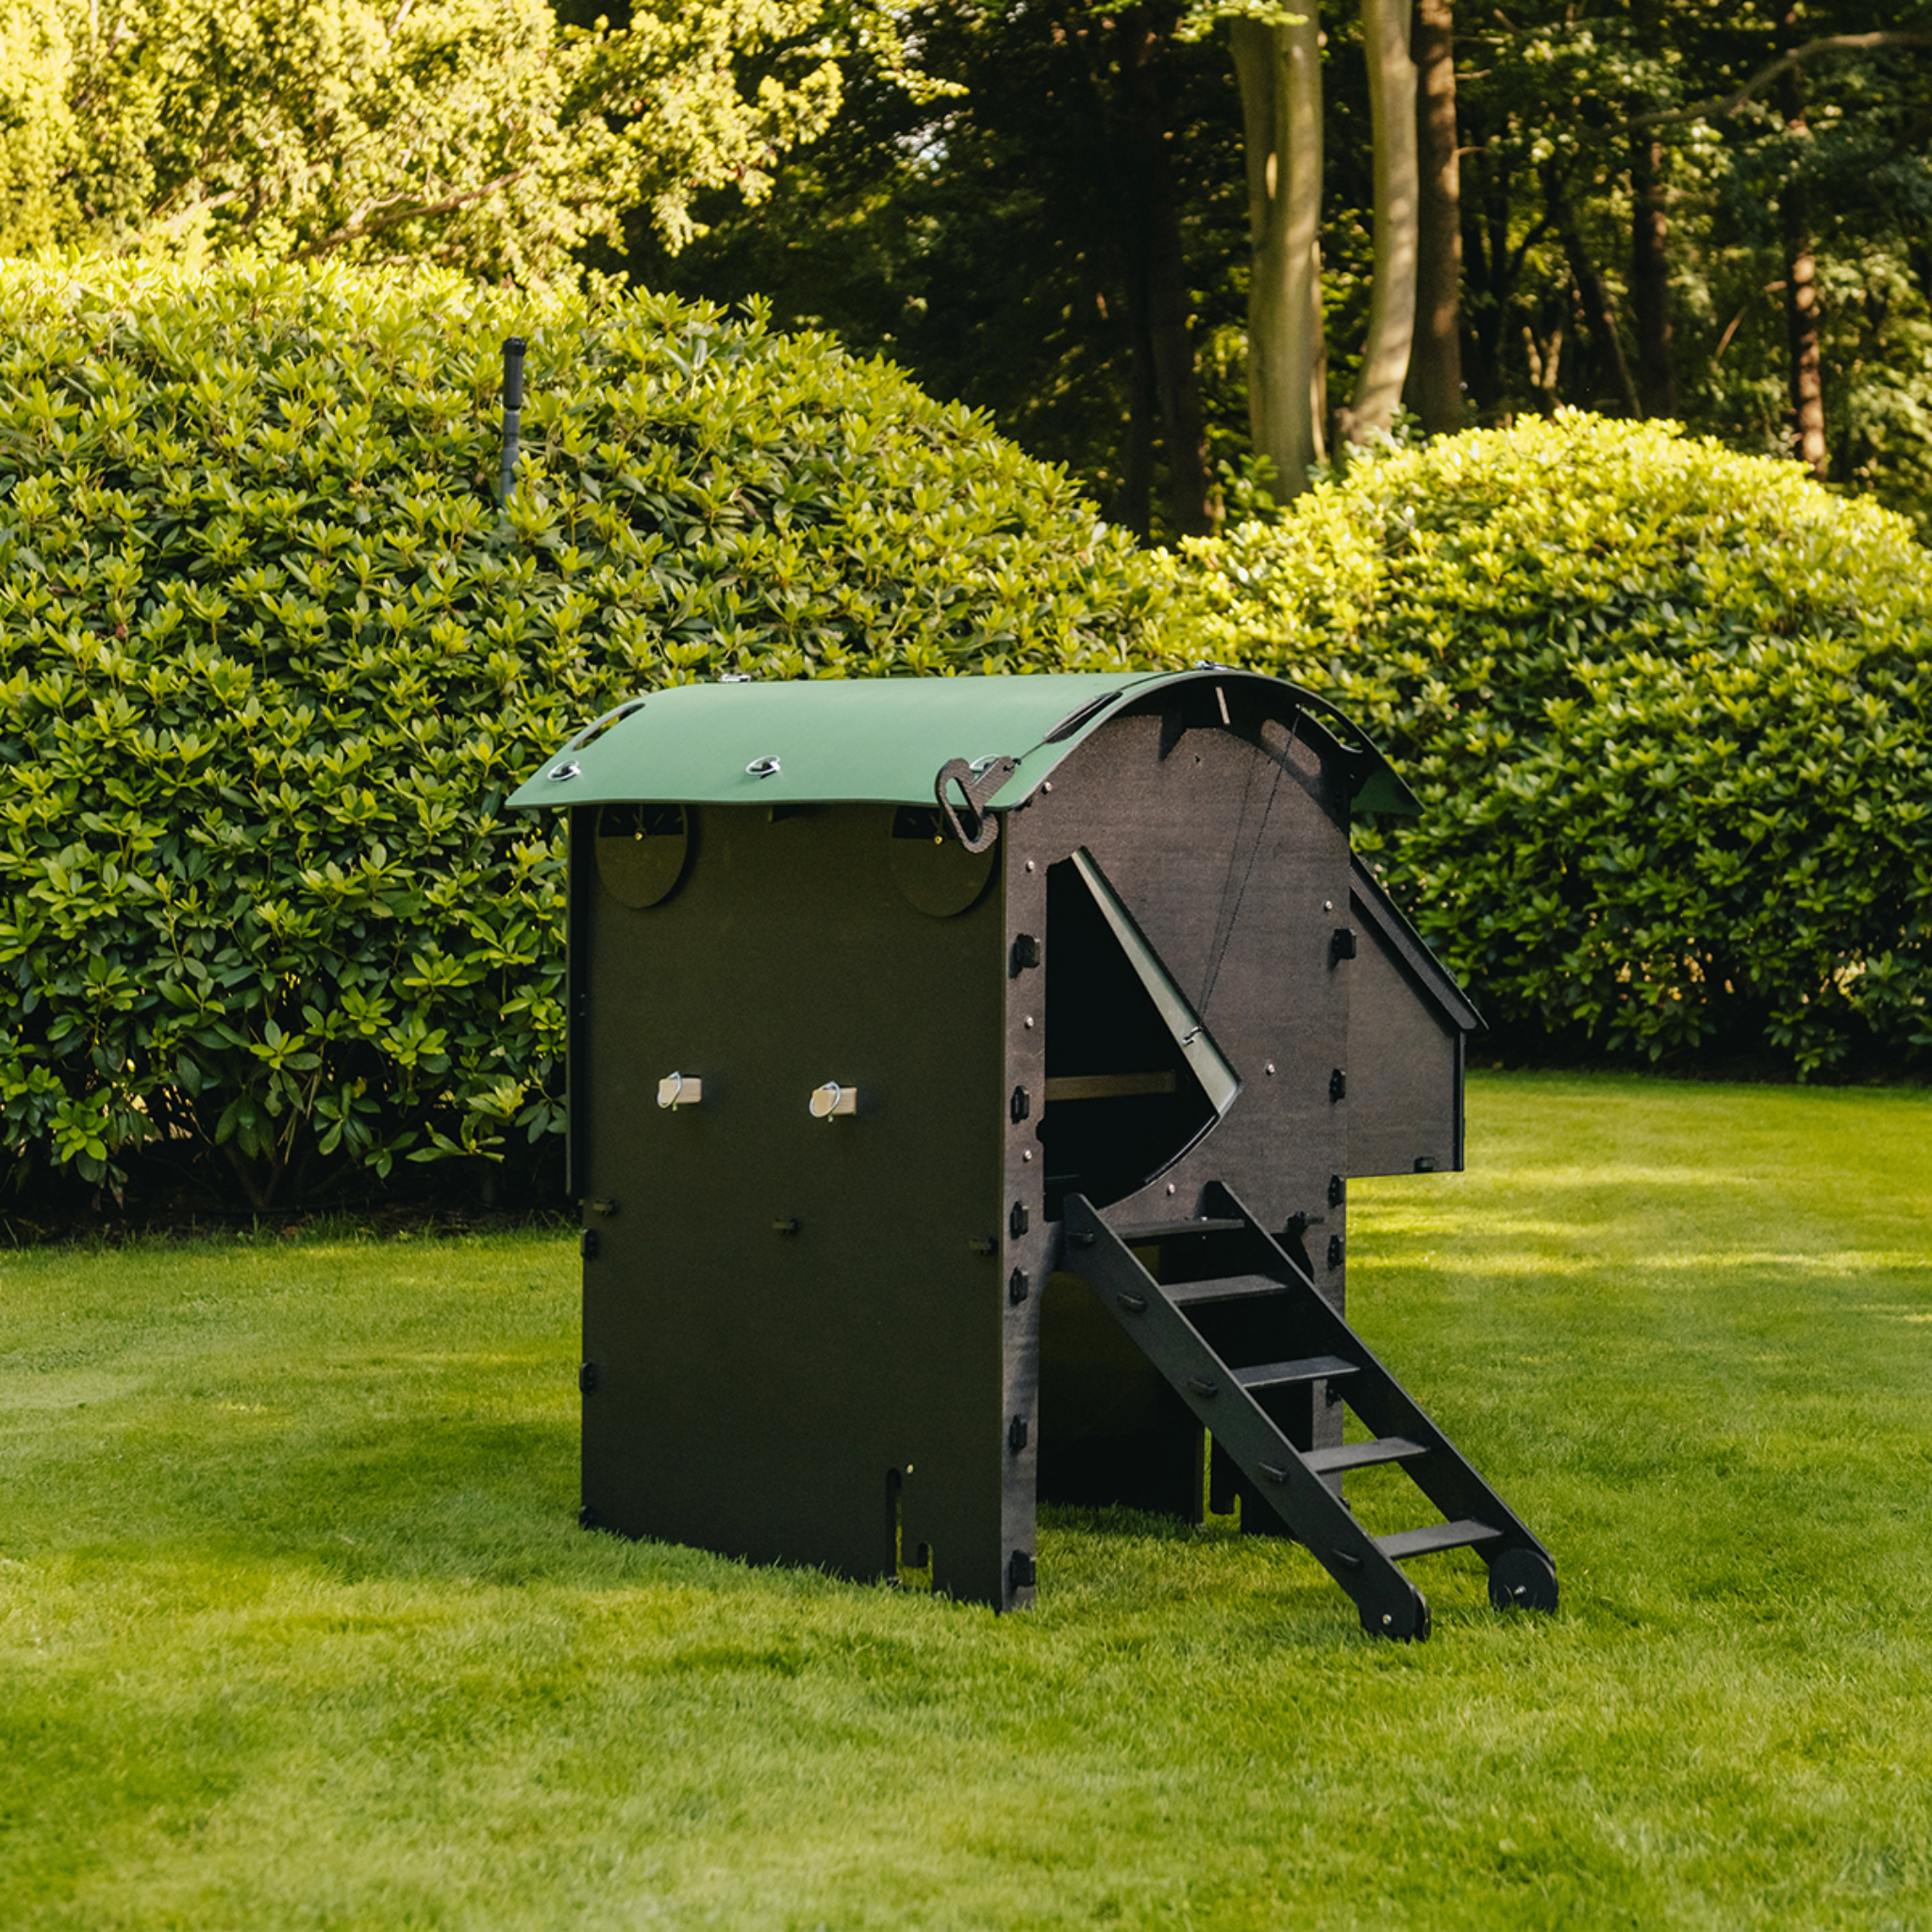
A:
{"x":879,"y":740}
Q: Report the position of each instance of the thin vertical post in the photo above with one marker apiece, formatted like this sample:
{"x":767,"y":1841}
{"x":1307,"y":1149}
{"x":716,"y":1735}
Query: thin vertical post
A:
{"x":512,"y":410}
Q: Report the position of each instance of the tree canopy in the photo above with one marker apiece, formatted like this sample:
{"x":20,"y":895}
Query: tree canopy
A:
{"x":485,"y":134}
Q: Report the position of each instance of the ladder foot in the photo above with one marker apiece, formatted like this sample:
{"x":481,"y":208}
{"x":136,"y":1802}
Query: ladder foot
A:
{"x":1402,"y":1623}
{"x":1520,"y":1579}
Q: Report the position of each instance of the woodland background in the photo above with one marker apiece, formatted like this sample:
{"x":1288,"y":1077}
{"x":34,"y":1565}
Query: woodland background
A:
{"x":1650,"y":222}
{"x":1048,"y":208}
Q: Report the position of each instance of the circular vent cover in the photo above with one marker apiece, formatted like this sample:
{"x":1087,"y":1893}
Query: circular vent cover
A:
{"x":642,"y":851}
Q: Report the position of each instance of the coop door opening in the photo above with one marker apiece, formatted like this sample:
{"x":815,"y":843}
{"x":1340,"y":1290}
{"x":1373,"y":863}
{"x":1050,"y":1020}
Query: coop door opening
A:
{"x":1133,"y":1078}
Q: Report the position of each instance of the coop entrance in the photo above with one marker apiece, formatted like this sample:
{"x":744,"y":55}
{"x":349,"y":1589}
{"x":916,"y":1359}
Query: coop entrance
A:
{"x":1133,"y":1076}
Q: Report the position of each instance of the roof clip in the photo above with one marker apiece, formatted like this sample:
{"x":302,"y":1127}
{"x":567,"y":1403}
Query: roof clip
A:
{"x":978,"y":782}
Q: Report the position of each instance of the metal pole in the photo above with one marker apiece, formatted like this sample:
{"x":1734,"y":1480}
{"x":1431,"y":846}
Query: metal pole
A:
{"x":512,"y":410}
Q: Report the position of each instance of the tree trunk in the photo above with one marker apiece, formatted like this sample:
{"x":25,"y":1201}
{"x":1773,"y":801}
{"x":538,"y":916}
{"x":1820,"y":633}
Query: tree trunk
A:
{"x":1279,"y":68}
{"x":1158,"y":267}
{"x":1391,"y":294}
{"x":1597,"y":314}
{"x":1133,"y":495}
{"x":1649,"y":277}
{"x":1801,"y":279}
{"x":1435,"y":377}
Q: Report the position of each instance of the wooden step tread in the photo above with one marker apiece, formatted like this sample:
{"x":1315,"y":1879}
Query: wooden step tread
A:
{"x":1309,"y":1369}
{"x":1229,"y":1288}
{"x":1364,"y":1455}
{"x":1172,"y":1230}
{"x":1434,"y":1535}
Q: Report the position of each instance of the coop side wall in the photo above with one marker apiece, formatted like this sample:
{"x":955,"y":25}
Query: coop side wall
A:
{"x":1228,"y":844}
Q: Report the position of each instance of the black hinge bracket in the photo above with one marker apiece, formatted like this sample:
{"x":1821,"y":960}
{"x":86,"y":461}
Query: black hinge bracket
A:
{"x":1338,"y":1085}
{"x":970,"y":821}
{"x":1025,"y":954}
{"x":587,"y":1378}
{"x":588,"y":1244}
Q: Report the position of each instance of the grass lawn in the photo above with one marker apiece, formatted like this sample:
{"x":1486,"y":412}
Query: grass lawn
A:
{"x":297,"y":1627}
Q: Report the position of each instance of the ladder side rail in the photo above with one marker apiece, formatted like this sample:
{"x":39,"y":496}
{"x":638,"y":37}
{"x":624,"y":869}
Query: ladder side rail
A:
{"x":1444,"y":1476}
{"x":1387,"y":1602}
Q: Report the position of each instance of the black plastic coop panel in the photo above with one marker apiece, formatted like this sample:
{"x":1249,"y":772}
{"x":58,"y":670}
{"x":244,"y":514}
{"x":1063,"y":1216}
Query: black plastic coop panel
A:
{"x":966,"y":1076}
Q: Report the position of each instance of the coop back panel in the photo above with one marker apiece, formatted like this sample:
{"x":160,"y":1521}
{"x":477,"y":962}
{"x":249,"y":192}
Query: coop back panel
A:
{"x":794,"y":1322}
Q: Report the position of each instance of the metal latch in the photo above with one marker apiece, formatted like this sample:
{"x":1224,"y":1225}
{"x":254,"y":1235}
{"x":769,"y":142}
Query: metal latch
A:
{"x":680,"y":1090}
{"x":832,"y":1100}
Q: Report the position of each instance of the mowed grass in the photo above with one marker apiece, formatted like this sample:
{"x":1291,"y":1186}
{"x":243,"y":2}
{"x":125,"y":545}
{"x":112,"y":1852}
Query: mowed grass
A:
{"x":297,"y":1627}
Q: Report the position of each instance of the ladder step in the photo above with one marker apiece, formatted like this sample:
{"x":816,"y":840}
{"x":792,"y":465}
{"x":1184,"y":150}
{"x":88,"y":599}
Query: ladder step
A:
{"x":1170,"y":1230}
{"x":1434,"y":1535}
{"x":1230,"y":1288}
{"x":1309,"y":1369}
{"x":1362,"y":1454}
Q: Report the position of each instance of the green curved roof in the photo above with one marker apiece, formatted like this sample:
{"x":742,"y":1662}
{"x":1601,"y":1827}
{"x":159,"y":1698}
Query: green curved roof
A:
{"x":876,"y":740}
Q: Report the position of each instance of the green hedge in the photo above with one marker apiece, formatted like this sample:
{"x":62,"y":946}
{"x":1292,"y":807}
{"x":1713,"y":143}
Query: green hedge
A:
{"x":271,"y":658}
{"x":1668,"y":710}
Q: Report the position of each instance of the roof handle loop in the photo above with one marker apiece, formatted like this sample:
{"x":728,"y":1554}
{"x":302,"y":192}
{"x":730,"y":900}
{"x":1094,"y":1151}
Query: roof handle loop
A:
{"x":597,"y":726}
{"x":978,"y":782}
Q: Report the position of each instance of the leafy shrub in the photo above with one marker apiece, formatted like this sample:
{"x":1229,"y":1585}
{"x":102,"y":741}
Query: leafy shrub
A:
{"x":1669,"y":712}
{"x":271,"y":658}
